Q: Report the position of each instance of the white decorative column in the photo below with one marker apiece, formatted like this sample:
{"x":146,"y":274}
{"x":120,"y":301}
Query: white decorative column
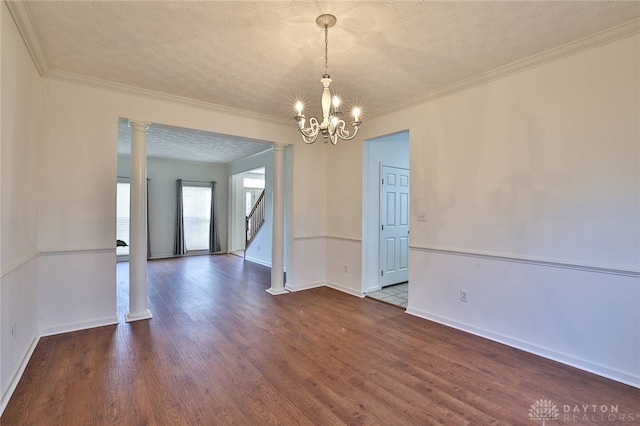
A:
{"x":288,"y":210}
{"x":277,"y":240}
{"x":138,"y":224}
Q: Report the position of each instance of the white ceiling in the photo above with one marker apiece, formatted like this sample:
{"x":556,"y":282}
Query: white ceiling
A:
{"x":260,"y":56}
{"x":176,"y":143}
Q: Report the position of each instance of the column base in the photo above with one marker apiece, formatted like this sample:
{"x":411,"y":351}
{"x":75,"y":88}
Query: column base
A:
{"x":277,"y":291}
{"x":139,"y":316}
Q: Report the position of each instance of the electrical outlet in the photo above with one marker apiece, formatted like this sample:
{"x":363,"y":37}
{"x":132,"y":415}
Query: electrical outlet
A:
{"x":463,"y":295}
{"x":258,"y":247}
{"x":422,"y":216}
{"x":346,"y":269}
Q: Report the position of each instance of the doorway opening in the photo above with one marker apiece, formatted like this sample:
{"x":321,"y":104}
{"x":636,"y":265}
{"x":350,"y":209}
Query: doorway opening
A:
{"x":386,"y":213}
{"x":204,"y":168}
{"x":246,"y":191}
{"x":395,"y":294}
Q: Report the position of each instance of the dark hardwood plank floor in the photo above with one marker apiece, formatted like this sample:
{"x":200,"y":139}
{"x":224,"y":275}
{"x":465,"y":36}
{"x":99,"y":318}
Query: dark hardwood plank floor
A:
{"x":221,"y":350}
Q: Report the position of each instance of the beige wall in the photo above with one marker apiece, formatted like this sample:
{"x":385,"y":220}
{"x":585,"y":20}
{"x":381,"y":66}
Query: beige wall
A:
{"x":546,"y":160}
{"x":20,"y":129}
{"x":21,"y":96}
{"x":530,"y":185}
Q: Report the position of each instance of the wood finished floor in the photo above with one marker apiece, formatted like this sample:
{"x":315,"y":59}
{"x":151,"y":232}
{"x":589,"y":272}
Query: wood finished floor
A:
{"x":221,"y":350}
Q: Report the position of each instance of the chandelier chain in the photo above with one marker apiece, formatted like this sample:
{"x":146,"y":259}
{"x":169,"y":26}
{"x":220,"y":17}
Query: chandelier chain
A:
{"x":326,"y":49}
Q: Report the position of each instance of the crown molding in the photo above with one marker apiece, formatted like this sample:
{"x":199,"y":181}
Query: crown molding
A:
{"x":24,"y":22}
{"x":585,"y":43}
{"x":55,"y":74}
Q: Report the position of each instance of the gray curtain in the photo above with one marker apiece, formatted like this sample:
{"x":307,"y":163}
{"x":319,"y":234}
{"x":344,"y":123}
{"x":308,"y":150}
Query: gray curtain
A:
{"x":179,"y":246}
{"x":214,"y":238}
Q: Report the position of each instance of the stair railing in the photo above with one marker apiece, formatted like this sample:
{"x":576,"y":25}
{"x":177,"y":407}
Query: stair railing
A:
{"x":253,"y":222}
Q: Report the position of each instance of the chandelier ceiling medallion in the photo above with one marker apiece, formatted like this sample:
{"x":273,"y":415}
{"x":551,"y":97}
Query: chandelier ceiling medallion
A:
{"x":332,"y":127}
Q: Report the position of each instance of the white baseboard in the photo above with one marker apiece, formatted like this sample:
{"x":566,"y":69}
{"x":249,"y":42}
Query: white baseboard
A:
{"x":598,"y":369}
{"x":372,"y":289}
{"x":67,"y":328}
{"x":309,"y":286}
{"x":302,"y":287}
{"x":344,"y":289}
{"x":258,"y":261}
{"x":17,"y":375}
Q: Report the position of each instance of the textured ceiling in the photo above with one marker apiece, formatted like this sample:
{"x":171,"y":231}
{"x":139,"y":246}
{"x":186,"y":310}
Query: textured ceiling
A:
{"x":190,"y":145}
{"x":260,"y":56}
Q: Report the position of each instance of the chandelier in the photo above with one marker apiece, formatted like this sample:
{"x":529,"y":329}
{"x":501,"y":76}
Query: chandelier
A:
{"x":332,"y":127}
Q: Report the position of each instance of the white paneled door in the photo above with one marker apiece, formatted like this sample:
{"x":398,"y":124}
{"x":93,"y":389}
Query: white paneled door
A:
{"x":394,"y":225}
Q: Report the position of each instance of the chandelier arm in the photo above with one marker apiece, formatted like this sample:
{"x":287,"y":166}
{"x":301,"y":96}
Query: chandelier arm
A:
{"x":314,"y":127}
{"x":345,"y":134}
{"x":309,"y":140}
{"x":310,"y":134}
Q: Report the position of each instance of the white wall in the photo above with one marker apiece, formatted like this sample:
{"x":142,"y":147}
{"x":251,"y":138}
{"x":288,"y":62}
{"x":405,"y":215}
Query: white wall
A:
{"x":309,"y":215}
{"x":162,"y":174}
{"x":78,"y":159}
{"x":343,"y":249}
{"x":530,"y":184}
{"x":20,"y":130}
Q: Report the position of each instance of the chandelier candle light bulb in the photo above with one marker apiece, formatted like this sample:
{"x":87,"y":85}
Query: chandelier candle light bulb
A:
{"x":356,"y":114}
{"x":332,"y":127}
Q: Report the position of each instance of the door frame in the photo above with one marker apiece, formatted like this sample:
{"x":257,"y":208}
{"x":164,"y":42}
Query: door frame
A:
{"x":371,"y":157}
{"x":236,"y":207}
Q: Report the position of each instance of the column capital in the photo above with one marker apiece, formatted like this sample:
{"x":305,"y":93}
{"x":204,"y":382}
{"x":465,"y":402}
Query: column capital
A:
{"x":278,"y":147}
{"x":139,"y":125}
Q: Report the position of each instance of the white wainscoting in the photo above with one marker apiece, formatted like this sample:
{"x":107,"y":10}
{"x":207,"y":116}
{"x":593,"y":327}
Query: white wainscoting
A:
{"x":309,"y":259}
{"x":77,"y":290}
{"x":19,"y":335}
{"x":326,"y":261}
{"x":583,"y":316}
{"x":344,"y":265}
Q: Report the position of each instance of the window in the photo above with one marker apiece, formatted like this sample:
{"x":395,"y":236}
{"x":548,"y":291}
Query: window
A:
{"x":249,"y":182}
{"x":253,"y":185}
{"x":196,"y":209}
{"x":122,"y":216}
{"x":248,"y":202}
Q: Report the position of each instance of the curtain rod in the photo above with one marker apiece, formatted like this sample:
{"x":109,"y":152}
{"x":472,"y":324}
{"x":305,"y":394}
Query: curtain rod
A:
{"x":198,"y":181}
